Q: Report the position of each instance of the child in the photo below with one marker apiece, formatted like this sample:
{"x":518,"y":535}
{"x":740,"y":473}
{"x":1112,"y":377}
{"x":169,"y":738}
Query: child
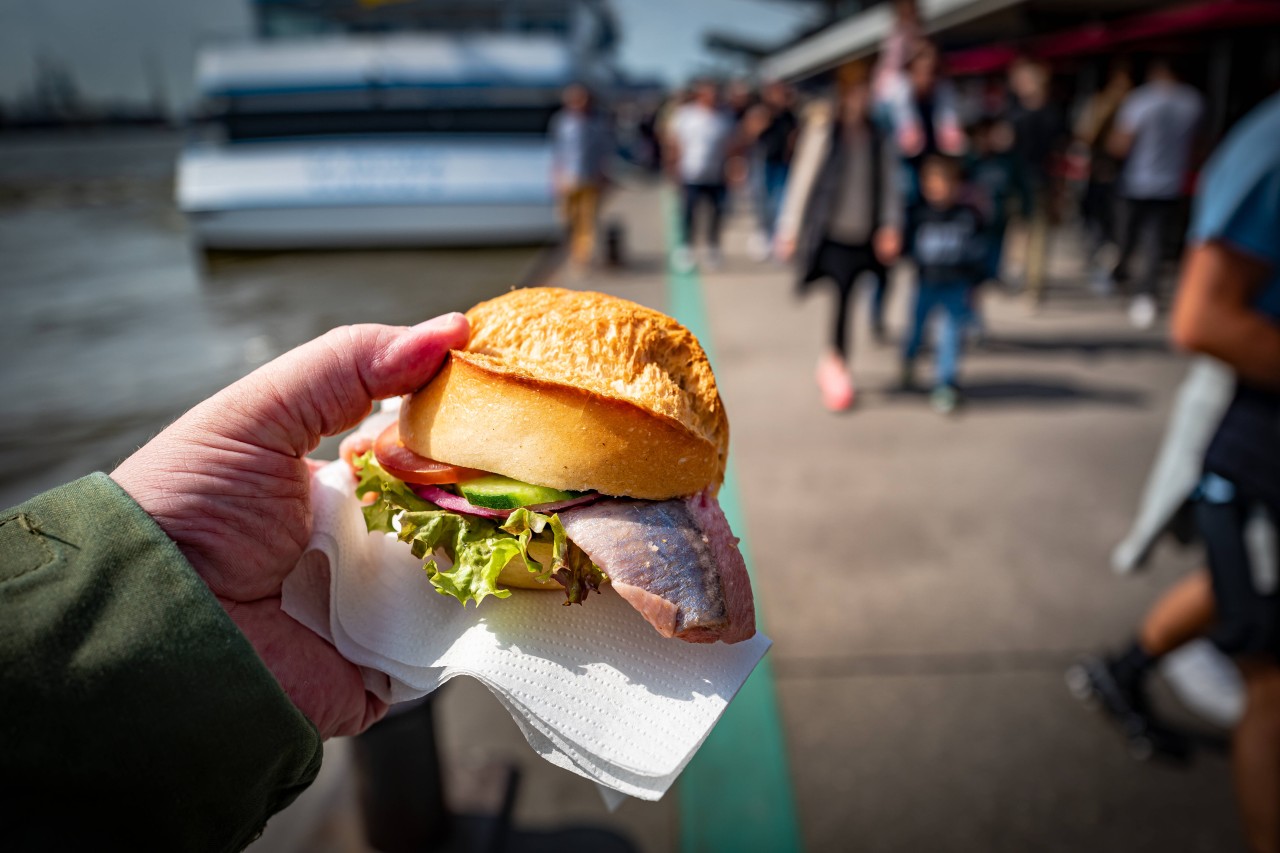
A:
{"x":948,"y":245}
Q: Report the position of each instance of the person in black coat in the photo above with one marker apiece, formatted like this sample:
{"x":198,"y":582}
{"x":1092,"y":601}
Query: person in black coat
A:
{"x":842,"y":217}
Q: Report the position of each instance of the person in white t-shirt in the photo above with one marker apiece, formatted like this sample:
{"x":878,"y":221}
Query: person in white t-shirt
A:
{"x":699,"y":140}
{"x":1155,"y":133}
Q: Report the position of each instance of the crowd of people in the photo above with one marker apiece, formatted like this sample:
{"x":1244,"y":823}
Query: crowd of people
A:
{"x":900,"y":164}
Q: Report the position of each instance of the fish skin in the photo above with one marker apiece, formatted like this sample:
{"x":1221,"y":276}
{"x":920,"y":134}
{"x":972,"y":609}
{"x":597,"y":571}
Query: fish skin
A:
{"x":671,"y":551}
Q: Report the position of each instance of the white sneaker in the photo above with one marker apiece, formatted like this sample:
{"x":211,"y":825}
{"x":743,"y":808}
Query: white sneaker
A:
{"x":682,"y":260}
{"x":1142,"y":312}
{"x":715,"y":259}
{"x":758,"y":247}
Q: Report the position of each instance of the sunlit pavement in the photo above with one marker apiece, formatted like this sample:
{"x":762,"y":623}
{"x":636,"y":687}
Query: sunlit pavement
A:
{"x":925,"y":579}
{"x":928,"y":579}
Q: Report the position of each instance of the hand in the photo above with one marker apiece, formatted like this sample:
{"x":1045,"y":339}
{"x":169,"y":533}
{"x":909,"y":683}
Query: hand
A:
{"x":887,"y":244}
{"x":784,"y":248}
{"x":228,"y":482}
{"x":910,"y":140}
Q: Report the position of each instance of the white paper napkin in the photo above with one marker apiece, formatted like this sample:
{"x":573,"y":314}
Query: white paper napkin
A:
{"x":594,"y":688}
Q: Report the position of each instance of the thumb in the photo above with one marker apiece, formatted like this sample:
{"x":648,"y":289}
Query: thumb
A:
{"x":329,"y":384}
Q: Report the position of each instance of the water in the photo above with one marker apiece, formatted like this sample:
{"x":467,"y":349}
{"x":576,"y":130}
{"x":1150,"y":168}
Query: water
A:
{"x":113,"y":323}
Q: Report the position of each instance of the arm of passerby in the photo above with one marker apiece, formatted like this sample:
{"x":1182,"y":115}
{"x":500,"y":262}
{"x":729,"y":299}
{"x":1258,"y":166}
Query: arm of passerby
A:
{"x":1213,"y":313}
{"x":153,"y":694}
{"x":557,"y":155}
{"x":951,"y":136}
{"x":1125,"y":129}
{"x":815,"y":139}
{"x":888,"y":237}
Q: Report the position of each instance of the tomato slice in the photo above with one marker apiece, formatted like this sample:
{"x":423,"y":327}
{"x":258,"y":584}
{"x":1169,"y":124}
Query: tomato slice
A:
{"x":403,"y":464}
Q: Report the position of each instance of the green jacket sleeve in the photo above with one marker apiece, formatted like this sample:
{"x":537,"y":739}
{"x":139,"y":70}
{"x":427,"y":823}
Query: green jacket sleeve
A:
{"x":133,"y":713}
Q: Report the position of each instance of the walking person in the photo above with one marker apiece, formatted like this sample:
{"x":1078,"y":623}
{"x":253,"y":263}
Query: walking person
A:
{"x":580,"y":146}
{"x":999,"y":184}
{"x":1092,"y":131}
{"x":1228,"y":307}
{"x":842,"y":217}
{"x":772,"y":129}
{"x":945,"y":238}
{"x":699,"y":142}
{"x":1038,"y":139}
{"x":1155,"y":133}
{"x":924,"y":114}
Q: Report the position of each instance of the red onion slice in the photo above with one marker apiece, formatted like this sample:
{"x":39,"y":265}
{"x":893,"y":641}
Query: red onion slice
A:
{"x":457,"y":503}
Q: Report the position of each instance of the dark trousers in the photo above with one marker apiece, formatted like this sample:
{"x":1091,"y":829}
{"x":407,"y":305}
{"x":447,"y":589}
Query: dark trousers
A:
{"x":1098,"y":209}
{"x":1145,"y":231}
{"x":694,"y":196}
{"x":844,"y":264}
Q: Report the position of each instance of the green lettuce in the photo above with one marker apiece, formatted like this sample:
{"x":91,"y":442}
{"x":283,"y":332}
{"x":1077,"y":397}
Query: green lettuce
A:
{"x":478,"y":548}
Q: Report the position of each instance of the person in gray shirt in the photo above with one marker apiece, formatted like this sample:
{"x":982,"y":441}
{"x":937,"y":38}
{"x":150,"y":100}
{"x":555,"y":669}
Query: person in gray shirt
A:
{"x":1155,"y":133}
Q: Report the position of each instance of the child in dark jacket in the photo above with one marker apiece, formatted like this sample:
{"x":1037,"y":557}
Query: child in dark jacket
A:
{"x":948,"y":244}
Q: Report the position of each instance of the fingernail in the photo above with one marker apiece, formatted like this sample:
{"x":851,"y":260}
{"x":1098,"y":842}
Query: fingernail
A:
{"x":444,"y":321}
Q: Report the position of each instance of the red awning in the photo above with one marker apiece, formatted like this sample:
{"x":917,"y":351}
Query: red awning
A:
{"x":1128,"y":32}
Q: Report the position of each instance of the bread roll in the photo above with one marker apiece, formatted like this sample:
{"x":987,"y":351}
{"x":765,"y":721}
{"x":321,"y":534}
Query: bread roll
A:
{"x":578,"y":391}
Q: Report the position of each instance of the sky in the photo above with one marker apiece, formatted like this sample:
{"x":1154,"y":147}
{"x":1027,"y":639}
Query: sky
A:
{"x":134,"y":50}
{"x":664,"y":37}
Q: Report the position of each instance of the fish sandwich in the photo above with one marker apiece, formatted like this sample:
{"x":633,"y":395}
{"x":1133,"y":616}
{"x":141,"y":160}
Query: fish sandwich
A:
{"x":577,"y":442}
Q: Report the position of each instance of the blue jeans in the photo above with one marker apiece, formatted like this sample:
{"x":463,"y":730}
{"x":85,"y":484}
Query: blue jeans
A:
{"x":773,"y":183}
{"x":953,"y":299}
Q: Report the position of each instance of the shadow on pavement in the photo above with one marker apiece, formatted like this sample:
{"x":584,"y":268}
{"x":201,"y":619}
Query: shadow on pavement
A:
{"x":989,"y":392}
{"x":1085,"y":345}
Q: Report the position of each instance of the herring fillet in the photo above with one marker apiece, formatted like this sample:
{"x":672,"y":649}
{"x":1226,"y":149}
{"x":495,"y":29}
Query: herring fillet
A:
{"x":676,"y":561}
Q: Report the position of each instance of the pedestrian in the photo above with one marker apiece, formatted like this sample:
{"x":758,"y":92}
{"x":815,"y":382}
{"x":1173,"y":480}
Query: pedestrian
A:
{"x":580,"y":147}
{"x":945,"y":238}
{"x":1092,"y":131}
{"x":1155,"y":134}
{"x":699,"y":143}
{"x":924,"y":114}
{"x":998,"y":182}
{"x":1228,"y":307}
{"x":772,"y":129}
{"x":1039,"y":137}
{"x":842,"y":217}
{"x":891,"y":60}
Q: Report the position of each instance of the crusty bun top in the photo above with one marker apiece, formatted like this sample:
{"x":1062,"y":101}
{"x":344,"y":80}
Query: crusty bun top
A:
{"x":576,"y":390}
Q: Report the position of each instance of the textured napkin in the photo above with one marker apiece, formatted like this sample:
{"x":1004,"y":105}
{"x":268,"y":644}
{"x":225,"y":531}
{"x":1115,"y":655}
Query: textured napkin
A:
{"x":594,"y":688}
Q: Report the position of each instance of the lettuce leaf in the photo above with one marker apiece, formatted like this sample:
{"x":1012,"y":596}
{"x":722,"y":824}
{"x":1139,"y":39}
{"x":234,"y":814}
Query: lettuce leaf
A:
{"x":478,"y":548}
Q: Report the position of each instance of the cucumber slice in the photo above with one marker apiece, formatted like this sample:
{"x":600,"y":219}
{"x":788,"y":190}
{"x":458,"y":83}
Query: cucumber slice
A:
{"x":495,"y":491}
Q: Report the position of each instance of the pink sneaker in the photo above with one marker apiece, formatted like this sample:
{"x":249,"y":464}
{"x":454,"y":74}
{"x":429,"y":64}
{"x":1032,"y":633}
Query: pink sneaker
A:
{"x":835,"y":382}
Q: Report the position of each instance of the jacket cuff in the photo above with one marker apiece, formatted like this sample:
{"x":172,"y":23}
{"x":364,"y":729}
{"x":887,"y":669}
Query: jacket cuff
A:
{"x":132,"y":708}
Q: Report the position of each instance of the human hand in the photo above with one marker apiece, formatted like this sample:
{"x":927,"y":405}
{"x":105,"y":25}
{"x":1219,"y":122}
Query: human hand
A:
{"x":910,"y":140}
{"x":229,"y":483}
{"x":887,"y":244}
{"x":784,"y":247}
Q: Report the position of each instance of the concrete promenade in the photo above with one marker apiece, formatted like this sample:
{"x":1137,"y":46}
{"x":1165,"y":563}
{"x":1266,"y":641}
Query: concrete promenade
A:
{"x":926,"y":580}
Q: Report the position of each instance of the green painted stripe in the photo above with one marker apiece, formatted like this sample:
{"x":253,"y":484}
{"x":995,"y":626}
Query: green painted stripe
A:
{"x":736,"y":793}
